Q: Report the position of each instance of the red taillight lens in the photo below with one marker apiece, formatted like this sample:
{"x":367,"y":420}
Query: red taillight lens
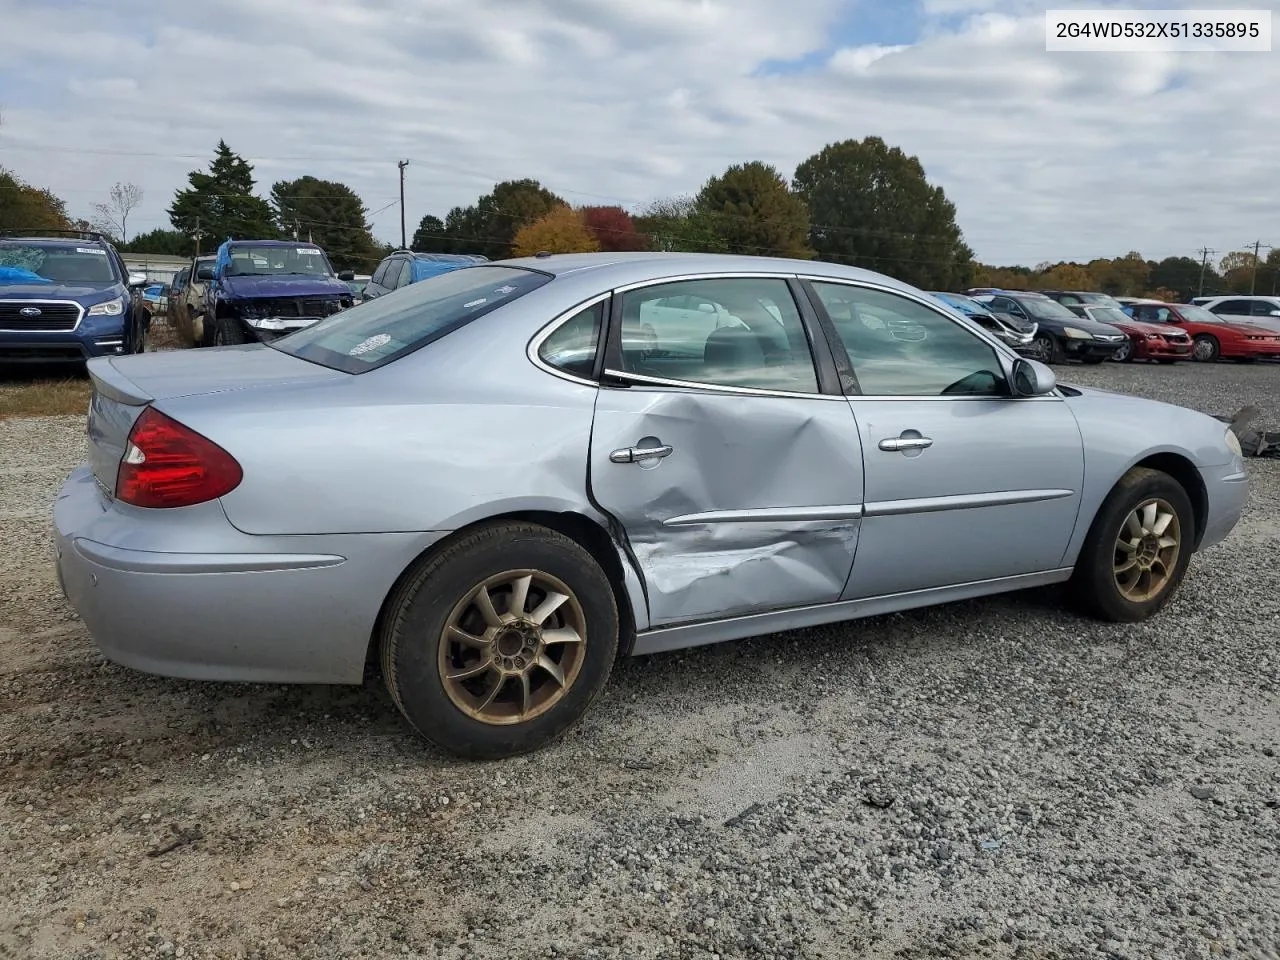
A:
{"x":167,"y":464}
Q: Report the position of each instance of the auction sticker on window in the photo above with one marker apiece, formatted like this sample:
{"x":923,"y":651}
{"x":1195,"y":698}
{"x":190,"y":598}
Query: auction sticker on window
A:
{"x":308,"y":251}
{"x":94,"y":250}
{"x":1170,"y":31}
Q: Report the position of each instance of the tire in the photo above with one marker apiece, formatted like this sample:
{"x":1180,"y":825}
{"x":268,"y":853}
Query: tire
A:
{"x":1047,"y":348}
{"x":1126,"y":354}
{"x":140,"y":335}
{"x":417,"y":656}
{"x":1205,"y":348}
{"x":1095,"y":583}
{"x":227,"y":332}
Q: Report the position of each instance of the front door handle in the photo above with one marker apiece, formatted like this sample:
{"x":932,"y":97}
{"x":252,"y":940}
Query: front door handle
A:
{"x":905,"y":443}
{"x":636,"y":454}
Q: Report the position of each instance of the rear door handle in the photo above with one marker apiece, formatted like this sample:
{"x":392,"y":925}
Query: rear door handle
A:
{"x":905,"y":443}
{"x":636,"y":454}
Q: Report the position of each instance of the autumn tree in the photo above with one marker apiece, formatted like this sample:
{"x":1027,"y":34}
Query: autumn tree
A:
{"x":1065,"y":276}
{"x":563,"y":230}
{"x":221,"y":203}
{"x":112,"y":217}
{"x":751,"y":208}
{"x":1181,"y":276}
{"x":328,"y":213}
{"x":1238,"y":268}
{"x":24,"y":207}
{"x":613,"y":228}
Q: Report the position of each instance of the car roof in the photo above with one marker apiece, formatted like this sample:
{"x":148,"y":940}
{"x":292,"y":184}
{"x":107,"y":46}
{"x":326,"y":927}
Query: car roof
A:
{"x":614,"y":269}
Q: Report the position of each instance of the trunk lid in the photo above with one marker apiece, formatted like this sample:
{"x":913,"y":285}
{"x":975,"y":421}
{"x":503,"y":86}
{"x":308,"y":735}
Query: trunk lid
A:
{"x":125,"y":386}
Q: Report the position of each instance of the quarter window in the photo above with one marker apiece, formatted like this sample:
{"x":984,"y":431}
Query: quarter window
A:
{"x":572,"y":347}
{"x":1240,"y":307}
{"x":380,"y":275}
{"x":733,"y":332}
{"x":900,"y":348}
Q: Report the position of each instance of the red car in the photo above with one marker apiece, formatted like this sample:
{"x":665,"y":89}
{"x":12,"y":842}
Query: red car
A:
{"x":1162,"y":342}
{"x":1211,"y":336}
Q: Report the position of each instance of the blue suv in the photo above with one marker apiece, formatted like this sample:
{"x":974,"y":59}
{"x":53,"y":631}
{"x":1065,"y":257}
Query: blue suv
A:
{"x":66,"y":296}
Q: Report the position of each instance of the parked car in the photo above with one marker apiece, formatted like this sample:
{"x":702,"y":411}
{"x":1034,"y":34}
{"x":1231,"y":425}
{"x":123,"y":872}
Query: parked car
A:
{"x":66,"y":296}
{"x":1212,"y":337}
{"x":1010,"y":330}
{"x":357,"y":284}
{"x":1075,"y":297}
{"x":1060,"y":334}
{"x":1147,"y":341}
{"x":187,"y":302}
{"x":264,"y":289}
{"x":404,"y":267}
{"x":1259,"y":311}
{"x":497,"y":483}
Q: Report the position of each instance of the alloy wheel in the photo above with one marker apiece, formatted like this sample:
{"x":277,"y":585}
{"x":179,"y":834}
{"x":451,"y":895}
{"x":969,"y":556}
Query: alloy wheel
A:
{"x":1146,"y":550}
{"x":512,"y":647}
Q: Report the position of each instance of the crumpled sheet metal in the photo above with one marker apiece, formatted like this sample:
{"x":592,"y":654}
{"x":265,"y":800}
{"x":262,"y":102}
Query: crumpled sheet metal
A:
{"x":732,"y":454}
{"x":1253,"y":443}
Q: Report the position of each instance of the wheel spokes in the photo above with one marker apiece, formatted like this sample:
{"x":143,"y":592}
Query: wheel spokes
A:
{"x":519,"y":595}
{"x":484,"y":603}
{"x":474,"y":670}
{"x":551,"y":667}
{"x":552,"y":603}
{"x":458,"y":635}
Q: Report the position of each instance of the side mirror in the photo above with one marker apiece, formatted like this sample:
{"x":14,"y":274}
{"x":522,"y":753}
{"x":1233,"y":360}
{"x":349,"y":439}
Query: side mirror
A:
{"x":137,"y":280}
{"x":1031,"y":378}
{"x":346,"y":275}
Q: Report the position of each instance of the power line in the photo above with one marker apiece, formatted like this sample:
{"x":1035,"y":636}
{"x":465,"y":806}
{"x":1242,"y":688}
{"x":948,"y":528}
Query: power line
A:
{"x":1253,"y":278}
{"x":1204,"y":262}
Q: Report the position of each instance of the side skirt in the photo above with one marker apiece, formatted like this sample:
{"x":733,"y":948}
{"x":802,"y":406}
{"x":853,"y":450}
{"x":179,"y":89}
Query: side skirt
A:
{"x":775,"y":621}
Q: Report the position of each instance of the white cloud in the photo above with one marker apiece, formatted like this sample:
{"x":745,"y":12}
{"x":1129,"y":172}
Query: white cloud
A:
{"x":1046,"y":156}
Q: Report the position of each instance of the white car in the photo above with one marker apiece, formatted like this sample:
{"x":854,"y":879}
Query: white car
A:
{"x":1260,"y":311}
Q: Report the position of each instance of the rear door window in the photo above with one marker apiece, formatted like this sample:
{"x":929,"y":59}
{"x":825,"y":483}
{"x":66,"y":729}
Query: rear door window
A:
{"x":382,"y":330}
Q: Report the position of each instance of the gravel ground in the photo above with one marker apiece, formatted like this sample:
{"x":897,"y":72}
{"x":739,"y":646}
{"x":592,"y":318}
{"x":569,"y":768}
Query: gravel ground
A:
{"x":996,"y":778}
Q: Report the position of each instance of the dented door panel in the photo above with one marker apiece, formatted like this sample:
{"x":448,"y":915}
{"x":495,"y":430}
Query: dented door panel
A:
{"x":755,"y":507}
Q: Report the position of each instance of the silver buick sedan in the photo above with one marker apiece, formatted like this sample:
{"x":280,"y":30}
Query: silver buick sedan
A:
{"x":501,"y":478}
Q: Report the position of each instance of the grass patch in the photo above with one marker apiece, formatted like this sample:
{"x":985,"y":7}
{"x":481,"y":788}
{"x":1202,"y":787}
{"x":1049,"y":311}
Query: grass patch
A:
{"x":44,"y":397}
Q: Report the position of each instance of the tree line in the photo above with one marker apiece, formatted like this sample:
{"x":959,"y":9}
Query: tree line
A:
{"x":859,"y":202}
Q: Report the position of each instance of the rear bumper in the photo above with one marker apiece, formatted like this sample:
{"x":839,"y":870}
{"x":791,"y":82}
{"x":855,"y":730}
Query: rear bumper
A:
{"x":1228,"y":489}
{"x":182,"y":593}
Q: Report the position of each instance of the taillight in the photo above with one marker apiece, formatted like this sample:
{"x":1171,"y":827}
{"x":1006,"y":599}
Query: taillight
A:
{"x":167,"y":464}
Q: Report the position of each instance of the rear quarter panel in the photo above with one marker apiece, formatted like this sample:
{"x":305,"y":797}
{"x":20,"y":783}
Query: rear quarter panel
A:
{"x":1120,"y":431}
{"x":434,"y":441}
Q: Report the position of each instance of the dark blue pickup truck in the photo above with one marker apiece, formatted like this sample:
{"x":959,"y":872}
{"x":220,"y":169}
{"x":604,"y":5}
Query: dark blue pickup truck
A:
{"x":66,"y":297}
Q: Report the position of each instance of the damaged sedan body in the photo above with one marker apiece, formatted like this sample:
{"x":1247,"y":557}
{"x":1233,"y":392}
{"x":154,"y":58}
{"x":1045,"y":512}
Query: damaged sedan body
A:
{"x":264,"y":289}
{"x":503,"y":477}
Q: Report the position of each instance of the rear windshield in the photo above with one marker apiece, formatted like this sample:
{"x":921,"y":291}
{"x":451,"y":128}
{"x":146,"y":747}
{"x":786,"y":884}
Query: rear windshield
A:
{"x":1046,"y":309}
{"x":386,"y":328}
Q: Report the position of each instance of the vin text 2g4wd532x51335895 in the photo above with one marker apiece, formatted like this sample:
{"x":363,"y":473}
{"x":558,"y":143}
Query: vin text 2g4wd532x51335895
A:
{"x":66,"y":297}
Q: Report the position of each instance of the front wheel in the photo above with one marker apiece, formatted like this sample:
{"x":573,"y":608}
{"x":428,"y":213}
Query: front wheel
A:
{"x":1045,"y":348}
{"x":140,"y":335}
{"x":228,"y":332}
{"x":499,"y":643}
{"x":1137,"y":549}
{"x":1126,"y":354}
{"x":1206,"y":348}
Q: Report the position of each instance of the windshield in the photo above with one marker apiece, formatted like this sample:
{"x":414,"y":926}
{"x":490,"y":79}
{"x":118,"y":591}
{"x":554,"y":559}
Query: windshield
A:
{"x":386,"y":328}
{"x":270,"y":260}
{"x":1046,"y":309}
{"x":56,"y":263}
{"x":1108,"y":315}
{"x":965,"y":305}
{"x":1197,"y":314}
{"x":1097,"y":299}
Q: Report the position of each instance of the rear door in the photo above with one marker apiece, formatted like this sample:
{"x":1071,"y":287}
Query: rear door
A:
{"x":727,"y":454}
{"x":964,"y":482}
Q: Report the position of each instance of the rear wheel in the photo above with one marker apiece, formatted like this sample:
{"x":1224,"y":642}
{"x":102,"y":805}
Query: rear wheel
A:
{"x":1137,"y":550}
{"x":499,"y":643}
{"x":1206,"y":348}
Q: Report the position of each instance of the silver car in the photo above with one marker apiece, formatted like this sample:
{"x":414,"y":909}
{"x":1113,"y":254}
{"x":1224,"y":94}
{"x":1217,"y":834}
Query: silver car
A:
{"x":499,"y":479}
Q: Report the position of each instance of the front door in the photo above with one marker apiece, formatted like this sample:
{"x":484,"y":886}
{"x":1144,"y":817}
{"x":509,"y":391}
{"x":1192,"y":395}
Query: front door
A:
{"x":964,"y":482}
{"x":738,"y":483}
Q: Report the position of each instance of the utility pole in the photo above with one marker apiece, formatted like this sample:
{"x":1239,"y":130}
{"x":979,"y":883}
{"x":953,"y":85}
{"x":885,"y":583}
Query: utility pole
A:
{"x":1204,"y":262}
{"x":1253,"y":279}
{"x":197,"y":236}
{"x":402,"y":164}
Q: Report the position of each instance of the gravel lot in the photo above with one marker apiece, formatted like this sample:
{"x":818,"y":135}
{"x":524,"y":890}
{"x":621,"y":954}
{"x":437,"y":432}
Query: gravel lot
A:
{"x":995,"y":778}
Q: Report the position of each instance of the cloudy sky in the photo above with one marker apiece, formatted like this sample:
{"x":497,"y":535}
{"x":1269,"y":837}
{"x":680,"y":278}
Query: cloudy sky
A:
{"x":1047,"y":156}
